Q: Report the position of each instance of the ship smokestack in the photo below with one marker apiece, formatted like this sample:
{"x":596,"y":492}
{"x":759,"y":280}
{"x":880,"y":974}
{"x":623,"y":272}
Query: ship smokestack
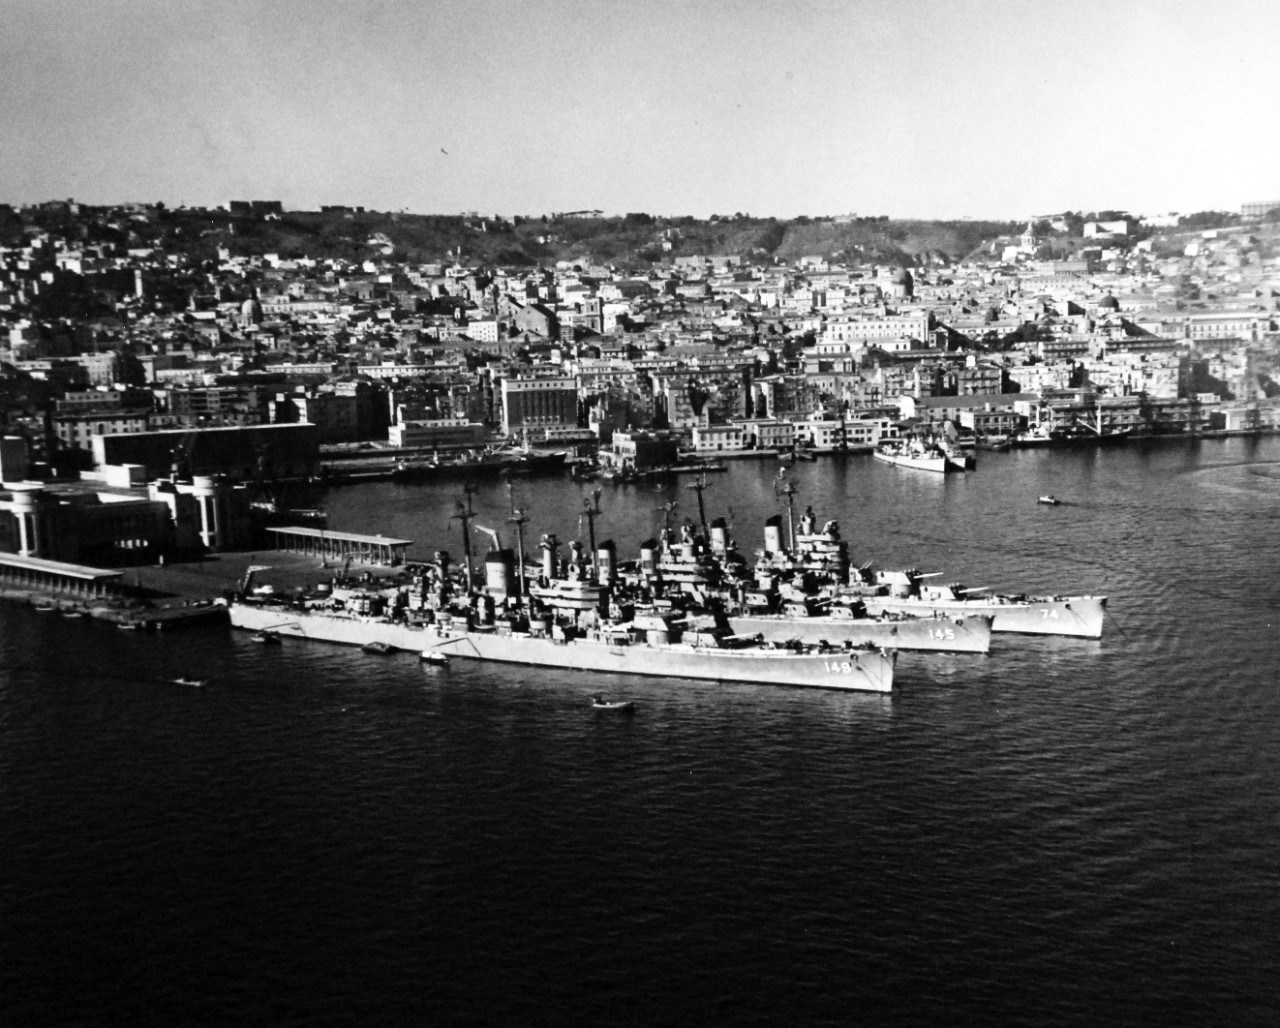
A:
{"x":719,"y":537}
{"x":607,"y":563}
{"x":773,"y":534}
{"x":649,"y":558}
{"x":442,"y":573}
{"x":499,"y":571}
{"x":549,"y":545}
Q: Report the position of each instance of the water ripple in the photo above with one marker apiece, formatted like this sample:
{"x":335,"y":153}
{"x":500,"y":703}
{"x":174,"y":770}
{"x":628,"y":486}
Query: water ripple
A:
{"x":1060,"y":832}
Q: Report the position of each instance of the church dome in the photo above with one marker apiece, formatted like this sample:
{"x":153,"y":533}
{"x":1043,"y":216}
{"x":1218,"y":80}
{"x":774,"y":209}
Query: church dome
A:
{"x":1109,"y":303}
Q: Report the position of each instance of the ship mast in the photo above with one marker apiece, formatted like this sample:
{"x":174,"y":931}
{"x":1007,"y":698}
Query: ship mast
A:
{"x":464,"y":512}
{"x":697,"y":487}
{"x":666,"y":510}
{"x":789,"y":491}
{"x":591,"y":511}
{"x":519,"y":519}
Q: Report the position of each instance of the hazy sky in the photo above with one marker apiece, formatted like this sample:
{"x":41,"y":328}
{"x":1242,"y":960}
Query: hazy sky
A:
{"x":928,"y":108}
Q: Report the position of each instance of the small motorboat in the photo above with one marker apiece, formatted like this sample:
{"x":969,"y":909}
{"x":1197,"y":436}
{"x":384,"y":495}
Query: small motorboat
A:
{"x":191,"y":682}
{"x":380,"y":648}
{"x":129,"y":626}
{"x":600,"y":703}
{"x":1049,"y":500}
{"x":435,"y":658}
{"x":72,"y":612}
{"x":266,"y":638}
{"x":45,"y":606}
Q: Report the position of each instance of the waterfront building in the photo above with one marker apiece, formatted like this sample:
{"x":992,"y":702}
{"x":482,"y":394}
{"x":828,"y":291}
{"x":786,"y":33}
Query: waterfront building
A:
{"x":75,"y":581}
{"x":437,"y":432}
{"x":821,"y":431}
{"x":639,"y":450}
{"x":718,"y":438}
{"x":106,"y":527}
{"x":768,"y":434}
{"x":292,"y":450}
{"x":540,"y":402}
{"x":990,"y":413}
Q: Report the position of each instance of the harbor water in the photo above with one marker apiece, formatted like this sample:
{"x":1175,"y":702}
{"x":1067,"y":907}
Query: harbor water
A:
{"x":1061,"y":832}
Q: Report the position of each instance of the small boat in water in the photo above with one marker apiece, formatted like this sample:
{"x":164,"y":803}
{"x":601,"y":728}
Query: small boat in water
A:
{"x":190,"y":681}
{"x":434,"y":658}
{"x":1049,"y":499}
{"x":600,"y":703}
{"x":380,"y":648}
{"x":267,"y":638}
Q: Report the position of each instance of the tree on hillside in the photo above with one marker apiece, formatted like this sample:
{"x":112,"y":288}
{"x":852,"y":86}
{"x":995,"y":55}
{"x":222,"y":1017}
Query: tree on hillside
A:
{"x":1207,"y":219}
{"x":771,"y":238}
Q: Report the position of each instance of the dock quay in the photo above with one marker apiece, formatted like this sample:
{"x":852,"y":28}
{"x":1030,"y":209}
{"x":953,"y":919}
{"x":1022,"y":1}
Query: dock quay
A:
{"x":153,"y":597}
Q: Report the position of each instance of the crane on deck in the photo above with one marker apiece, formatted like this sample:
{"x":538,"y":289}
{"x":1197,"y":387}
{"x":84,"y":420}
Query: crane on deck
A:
{"x":492,"y":533}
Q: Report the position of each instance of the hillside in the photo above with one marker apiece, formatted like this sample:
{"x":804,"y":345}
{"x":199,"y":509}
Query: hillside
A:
{"x":636,"y":241}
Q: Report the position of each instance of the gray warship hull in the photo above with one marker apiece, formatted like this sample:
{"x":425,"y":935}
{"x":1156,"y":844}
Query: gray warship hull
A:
{"x":1079,"y":616}
{"x":861,"y":670}
{"x":959,"y":634}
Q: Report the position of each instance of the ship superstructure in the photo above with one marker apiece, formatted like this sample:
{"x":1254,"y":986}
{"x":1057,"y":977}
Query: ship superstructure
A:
{"x":578,"y":613}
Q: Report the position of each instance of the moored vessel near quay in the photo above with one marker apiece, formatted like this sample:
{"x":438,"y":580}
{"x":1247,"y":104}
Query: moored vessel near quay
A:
{"x":480,"y":464}
{"x":768,"y":603}
{"x":820,"y":560}
{"x":965,"y":633}
{"x":994,"y":443}
{"x":651,"y":645}
{"x":1071,"y":436}
{"x":912,"y":453}
{"x":906,"y":592}
{"x":957,"y":458}
{"x":577,"y":613}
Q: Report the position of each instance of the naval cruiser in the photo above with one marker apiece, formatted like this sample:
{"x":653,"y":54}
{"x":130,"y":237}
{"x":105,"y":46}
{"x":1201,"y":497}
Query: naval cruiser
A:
{"x":510,"y":624}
